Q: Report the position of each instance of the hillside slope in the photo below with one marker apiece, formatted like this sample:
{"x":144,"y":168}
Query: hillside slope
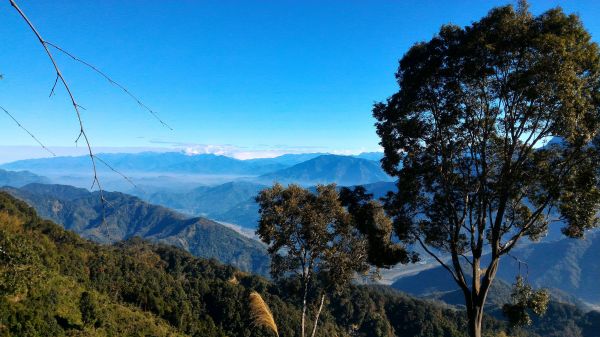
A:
{"x":63,"y":285}
{"x":208,"y":201}
{"x":571,"y":265}
{"x":20,"y":178}
{"x":568,"y":267}
{"x":124,"y":216}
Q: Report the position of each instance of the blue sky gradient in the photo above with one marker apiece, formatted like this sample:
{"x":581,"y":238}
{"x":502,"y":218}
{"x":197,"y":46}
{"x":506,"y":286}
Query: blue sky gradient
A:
{"x":252,"y":78}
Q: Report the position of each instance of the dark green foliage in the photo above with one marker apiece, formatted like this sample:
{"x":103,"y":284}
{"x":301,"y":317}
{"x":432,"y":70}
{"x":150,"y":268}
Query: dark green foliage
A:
{"x":312,"y":237}
{"x":525,"y":301}
{"x":74,"y":287}
{"x":371,"y":220}
{"x":467,"y":137}
{"x":87,"y":306}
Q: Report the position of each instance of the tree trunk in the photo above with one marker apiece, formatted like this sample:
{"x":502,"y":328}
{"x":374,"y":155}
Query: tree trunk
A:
{"x":475,"y":320}
{"x":317,"y":317}
{"x":304,"y":308}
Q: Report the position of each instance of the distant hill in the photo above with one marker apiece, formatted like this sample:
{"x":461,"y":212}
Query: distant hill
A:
{"x":209,"y":201}
{"x":436,"y":283}
{"x":124,"y":216}
{"x":286,"y":159}
{"x":568,"y":267}
{"x":380,"y":188}
{"x":20,"y":178}
{"x":571,"y":265}
{"x":324,"y":169}
{"x":230,"y":202}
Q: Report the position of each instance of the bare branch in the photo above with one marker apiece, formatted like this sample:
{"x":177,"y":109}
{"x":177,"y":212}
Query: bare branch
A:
{"x":76,"y":106}
{"x":520,"y":262}
{"x":460,"y":282}
{"x":31,"y":134}
{"x":111,"y":81}
{"x":117,"y":172}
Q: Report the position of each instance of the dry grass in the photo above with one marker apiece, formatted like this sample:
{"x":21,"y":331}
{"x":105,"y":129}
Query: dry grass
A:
{"x":261,"y":314}
{"x":10,"y":222}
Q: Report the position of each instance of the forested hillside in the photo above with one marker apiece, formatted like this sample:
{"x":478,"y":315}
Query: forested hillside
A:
{"x":123,"y":216}
{"x":54,"y":283}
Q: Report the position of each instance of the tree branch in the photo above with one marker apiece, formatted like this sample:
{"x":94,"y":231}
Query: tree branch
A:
{"x":76,"y":106}
{"x":111,"y":81}
{"x":461,"y":282}
{"x":31,"y":134}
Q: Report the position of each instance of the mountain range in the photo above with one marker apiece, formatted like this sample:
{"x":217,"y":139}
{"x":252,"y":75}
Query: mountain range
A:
{"x":180,"y":172}
{"x":173,"y":162}
{"x":122,"y":216}
{"x":155,"y":162}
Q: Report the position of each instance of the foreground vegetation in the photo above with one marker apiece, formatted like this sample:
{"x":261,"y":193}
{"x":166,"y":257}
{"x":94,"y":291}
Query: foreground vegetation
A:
{"x":54,"y":283}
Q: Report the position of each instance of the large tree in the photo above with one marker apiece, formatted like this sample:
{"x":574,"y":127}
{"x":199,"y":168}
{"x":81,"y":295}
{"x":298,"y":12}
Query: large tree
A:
{"x":493,"y":137}
{"x":312,"y":237}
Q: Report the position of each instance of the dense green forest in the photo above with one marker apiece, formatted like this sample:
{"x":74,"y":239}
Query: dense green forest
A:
{"x":54,"y":283}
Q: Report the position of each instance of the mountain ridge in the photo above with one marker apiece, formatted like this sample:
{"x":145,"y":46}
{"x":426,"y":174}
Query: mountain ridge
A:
{"x":123,"y":216}
{"x":20,"y":178}
{"x":171,"y":162}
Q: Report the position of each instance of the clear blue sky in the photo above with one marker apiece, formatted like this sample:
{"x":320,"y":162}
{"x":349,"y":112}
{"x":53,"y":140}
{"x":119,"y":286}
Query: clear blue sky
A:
{"x":246,"y":75}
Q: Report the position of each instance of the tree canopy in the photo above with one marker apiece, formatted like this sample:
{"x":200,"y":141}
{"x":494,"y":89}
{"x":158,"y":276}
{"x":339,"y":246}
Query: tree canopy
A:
{"x":493,"y":136}
{"x":311,"y":235}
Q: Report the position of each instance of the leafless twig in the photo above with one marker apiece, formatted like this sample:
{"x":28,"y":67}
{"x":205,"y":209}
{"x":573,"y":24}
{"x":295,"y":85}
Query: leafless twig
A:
{"x":76,"y":106}
{"x":117,"y":172}
{"x":520,"y":262}
{"x":31,"y":134}
{"x":53,"y":87}
{"x":111,"y":81}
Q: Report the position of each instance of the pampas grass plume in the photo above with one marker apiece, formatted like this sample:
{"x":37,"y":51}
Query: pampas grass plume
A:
{"x":261,"y":314}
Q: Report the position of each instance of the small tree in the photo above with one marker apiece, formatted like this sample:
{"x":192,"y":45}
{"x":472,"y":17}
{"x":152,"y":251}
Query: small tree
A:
{"x":310,"y":236}
{"x":88,"y":308}
{"x":467,"y":137}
